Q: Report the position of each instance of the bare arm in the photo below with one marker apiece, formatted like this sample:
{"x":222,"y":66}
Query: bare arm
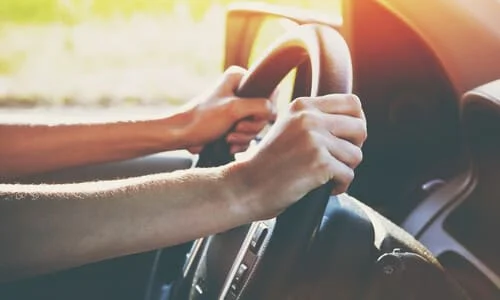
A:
{"x":50,"y":227}
{"x":28,"y":149}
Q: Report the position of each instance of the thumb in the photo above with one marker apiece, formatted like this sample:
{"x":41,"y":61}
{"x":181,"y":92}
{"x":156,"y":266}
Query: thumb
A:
{"x":256,"y":108}
{"x":232,"y":77}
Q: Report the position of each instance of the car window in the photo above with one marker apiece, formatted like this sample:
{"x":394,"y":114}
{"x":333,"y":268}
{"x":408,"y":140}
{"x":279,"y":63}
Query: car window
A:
{"x":108,"y":53}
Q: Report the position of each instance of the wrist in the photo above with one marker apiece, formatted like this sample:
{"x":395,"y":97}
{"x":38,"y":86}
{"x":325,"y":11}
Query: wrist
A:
{"x":174,"y":132}
{"x":244,"y":192}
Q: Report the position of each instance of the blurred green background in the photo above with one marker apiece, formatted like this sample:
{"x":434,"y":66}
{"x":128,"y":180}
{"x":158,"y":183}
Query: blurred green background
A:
{"x":115,"y":52}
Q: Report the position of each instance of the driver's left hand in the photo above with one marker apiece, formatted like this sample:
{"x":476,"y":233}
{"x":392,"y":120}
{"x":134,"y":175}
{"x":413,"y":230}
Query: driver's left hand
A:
{"x":219,"y":111}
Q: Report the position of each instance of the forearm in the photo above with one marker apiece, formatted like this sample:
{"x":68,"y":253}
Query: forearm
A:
{"x":29,"y":149}
{"x":46,"y":228}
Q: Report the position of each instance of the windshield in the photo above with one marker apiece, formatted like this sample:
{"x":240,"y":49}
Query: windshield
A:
{"x":112,"y":52}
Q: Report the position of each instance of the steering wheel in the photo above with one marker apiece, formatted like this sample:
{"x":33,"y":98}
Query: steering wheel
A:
{"x":257,"y":261}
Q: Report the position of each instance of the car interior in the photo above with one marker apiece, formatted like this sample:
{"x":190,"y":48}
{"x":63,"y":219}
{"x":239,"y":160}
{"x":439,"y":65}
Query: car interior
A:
{"x":421,"y":218}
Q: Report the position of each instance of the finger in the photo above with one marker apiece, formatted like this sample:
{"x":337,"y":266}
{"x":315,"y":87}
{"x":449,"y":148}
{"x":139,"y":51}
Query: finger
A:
{"x":195,"y":149}
{"x":256,"y":108}
{"x":341,"y":175}
{"x":252,"y":127}
{"x":232,"y":77}
{"x":346,"y":104}
{"x":344,"y":151}
{"x":350,"y":128}
{"x":238,"y":148}
{"x":240,"y":138}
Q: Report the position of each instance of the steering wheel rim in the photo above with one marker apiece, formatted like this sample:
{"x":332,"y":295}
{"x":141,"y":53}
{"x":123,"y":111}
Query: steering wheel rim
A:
{"x":323,"y":66}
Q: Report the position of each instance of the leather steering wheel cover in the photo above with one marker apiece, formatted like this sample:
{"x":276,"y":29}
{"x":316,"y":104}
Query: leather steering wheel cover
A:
{"x":323,"y":59}
{"x":329,"y":60}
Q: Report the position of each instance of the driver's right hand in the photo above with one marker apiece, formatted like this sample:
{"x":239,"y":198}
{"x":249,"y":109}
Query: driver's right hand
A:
{"x":320,"y":139}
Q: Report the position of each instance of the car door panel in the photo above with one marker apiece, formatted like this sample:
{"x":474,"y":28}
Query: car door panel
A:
{"x":152,"y":164}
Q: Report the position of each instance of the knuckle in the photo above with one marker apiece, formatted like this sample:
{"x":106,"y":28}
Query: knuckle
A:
{"x":342,"y":178}
{"x":232,"y":108}
{"x":345,"y":180}
{"x":241,"y":127}
{"x":244,"y":126}
{"x":318,"y":155}
{"x":355,"y":101}
{"x":344,"y":173}
{"x":353,"y":157}
{"x":335,"y":122}
{"x":304,"y":119}
{"x":234,"y":71}
{"x":357,"y":156}
{"x":341,"y":188}
{"x":349,"y":176}
{"x":310,"y":144}
{"x":364,"y":135}
{"x":360,"y":131}
{"x":299,"y":104}
{"x":323,"y":163}
{"x":307,"y":139}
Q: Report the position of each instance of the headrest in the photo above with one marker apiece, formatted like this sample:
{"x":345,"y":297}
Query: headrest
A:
{"x":480,"y":114}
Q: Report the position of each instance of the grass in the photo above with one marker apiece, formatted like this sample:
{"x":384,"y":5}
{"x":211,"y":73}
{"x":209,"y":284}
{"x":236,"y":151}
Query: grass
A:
{"x":111,"y":52}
